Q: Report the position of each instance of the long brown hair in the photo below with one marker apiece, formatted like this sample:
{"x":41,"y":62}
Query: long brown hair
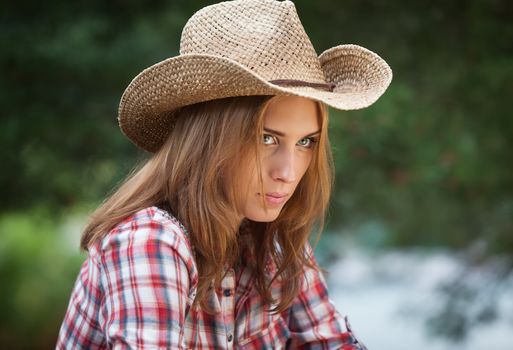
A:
{"x":186,"y":173}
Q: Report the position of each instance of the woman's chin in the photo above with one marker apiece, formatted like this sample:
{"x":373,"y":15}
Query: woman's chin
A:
{"x":263,"y":216}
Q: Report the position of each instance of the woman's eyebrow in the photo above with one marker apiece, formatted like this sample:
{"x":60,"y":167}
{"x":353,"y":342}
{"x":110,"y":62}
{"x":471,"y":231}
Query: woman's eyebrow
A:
{"x":279,"y":133}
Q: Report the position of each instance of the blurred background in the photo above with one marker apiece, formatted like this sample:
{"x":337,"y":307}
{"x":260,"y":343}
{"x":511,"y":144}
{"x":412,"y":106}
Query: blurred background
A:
{"x":419,"y":246}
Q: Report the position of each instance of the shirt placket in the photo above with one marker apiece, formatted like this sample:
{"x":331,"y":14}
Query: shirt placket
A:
{"x":227,"y":294}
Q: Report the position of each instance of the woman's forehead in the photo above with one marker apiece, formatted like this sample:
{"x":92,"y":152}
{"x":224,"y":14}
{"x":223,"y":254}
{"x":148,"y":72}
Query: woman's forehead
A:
{"x":292,"y":115}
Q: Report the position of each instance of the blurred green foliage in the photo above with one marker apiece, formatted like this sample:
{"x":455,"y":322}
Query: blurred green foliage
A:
{"x":37,"y":269}
{"x":429,"y":164}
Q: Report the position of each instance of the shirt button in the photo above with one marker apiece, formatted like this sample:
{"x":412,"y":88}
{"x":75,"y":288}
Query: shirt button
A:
{"x":227,"y":292}
{"x":230,"y":337}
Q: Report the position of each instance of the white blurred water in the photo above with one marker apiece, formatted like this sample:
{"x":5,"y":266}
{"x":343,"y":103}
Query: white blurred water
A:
{"x":388,"y":297}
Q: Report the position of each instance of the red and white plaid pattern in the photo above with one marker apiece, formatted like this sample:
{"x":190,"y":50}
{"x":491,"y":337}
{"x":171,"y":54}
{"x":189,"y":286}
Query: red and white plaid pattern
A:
{"x":136,"y":288}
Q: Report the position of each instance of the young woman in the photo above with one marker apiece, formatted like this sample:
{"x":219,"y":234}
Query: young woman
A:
{"x":206,"y":245}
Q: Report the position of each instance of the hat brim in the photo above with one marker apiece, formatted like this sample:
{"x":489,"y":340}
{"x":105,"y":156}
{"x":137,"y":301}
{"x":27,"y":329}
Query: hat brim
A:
{"x":360,"y":75}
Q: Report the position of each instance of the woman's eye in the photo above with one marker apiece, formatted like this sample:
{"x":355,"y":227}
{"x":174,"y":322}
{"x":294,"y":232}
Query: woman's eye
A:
{"x":307,"y":142}
{"x":268,"y":139}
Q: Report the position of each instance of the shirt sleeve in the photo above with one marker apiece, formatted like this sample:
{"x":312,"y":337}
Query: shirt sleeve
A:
{"x":314,"y":322}
{"x":146,"y":277}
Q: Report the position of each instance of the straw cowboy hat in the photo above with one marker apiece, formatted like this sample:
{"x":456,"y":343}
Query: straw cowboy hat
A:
{"x":241,"y":48}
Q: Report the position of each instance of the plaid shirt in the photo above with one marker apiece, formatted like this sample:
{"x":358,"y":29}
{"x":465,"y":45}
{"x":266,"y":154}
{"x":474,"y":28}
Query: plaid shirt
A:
{"x":136,"y":288}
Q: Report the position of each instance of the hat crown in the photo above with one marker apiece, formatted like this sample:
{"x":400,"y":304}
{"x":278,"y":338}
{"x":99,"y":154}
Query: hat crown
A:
{"x":265,"y":36}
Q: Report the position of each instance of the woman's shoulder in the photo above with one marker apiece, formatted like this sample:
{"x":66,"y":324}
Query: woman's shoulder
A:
{"x":148,"y":228}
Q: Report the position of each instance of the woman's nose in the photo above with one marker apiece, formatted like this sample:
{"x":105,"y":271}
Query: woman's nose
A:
{"x":283,"y":166}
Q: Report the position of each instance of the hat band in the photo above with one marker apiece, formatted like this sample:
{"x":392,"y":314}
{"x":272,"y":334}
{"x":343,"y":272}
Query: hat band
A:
{"x":291,"y":82}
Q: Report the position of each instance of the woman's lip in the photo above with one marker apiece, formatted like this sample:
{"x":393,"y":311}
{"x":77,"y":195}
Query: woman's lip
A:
{"x":275,"y":198}
{"x":276,"y":194}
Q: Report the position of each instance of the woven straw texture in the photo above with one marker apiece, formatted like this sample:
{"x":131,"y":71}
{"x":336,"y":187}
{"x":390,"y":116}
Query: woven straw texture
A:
{"x":247,"y":47}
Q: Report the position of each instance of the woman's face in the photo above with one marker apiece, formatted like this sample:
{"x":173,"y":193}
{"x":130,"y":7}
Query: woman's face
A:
{"x":291,"y":132}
